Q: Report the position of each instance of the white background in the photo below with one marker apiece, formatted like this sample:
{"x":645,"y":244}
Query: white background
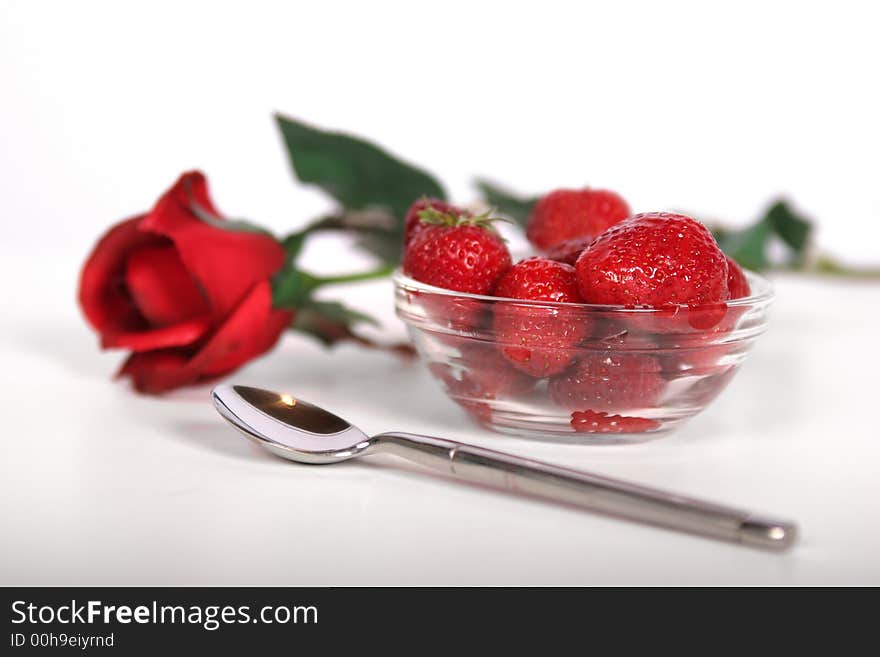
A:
{"x":697,"y":106}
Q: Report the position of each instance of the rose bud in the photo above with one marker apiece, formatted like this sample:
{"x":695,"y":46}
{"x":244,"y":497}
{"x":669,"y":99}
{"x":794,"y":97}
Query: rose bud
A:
{"x":191,"y":299}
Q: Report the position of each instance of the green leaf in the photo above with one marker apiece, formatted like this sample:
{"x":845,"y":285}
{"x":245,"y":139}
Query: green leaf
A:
{"x":329,"y":322}
{"x":292,"y":287}
{"x":747,"y":246}
{"x":360,"y":176}
{"x":293,"y":245}
{"x":334,"y":311}
{"x":750,"y":246}
{"x":516,"y":207}
{"x":793,"y":229}
{"x":386,"y":246}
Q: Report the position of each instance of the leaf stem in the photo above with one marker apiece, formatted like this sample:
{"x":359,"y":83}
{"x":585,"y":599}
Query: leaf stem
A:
{"x":379,"y":272}
{"x":828,"y":266}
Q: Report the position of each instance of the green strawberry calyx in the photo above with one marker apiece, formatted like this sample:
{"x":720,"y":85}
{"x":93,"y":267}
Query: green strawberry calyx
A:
{"x":451,"y":220}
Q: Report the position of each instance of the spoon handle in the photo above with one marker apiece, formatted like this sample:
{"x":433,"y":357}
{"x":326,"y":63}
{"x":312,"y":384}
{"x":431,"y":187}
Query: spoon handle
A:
{"x":590,"y":491}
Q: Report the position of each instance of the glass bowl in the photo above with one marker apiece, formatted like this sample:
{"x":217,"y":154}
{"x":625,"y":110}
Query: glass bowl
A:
{"x":581,"y":371}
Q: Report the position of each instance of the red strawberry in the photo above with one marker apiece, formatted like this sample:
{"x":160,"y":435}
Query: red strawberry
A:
{"x":456,"y":252}
{"x":540,"y":279}
{"x":460,"y":392}
{"x":569,"y":250}
{"x":479,"y":376}
{"x":469,"y":398}
{"x":486,"y":370}
{"x":707,"y":388}
{"x":653,"y":259}
{"x":694,"y":356}
{"x":592,"y":422}
{"x":413,"y":223}
{"x":539,"y":340}
{"x":609,"y":381}
{"x":699,"y":352}
{"x":737,"y":284}
{"x":568,"y":213}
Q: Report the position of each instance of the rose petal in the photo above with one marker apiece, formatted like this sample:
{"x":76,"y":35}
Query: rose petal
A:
{"x":226,"y":263}
{"x":161,"y":287}
{"x":251,"y":330}
{"x":176,"y":335}
{"x":102,"y":293}
{"x":158,"y":371}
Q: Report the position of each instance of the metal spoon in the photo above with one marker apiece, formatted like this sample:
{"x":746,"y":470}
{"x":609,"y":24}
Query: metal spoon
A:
{"x":302,"y":432}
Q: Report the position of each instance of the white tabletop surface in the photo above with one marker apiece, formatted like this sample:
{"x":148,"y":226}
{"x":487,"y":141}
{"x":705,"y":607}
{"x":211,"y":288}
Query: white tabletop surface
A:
{"x":101,"y":486}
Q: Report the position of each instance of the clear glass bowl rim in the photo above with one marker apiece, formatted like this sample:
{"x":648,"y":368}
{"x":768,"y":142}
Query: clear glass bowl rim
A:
{"x":763,"y":294}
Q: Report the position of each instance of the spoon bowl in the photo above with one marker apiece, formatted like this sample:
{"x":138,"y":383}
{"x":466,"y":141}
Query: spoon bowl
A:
{"x":289,"y":427}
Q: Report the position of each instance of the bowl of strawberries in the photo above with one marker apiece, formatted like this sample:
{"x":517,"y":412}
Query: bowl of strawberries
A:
{"x":621,"y":325}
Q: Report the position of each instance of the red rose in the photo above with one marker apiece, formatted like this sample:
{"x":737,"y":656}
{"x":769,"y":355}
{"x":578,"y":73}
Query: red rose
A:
{"x":190,"y":299}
